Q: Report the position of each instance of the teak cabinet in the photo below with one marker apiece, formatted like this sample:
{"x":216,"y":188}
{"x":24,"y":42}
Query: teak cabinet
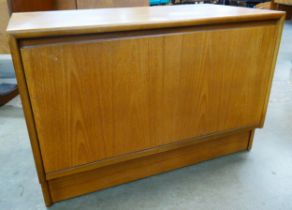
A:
{"x":121,"y":94}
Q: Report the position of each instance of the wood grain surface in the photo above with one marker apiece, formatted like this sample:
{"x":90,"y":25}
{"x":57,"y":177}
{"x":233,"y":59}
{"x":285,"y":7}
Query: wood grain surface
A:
{"x":43,"y":5}
{"x":29,"y":118}
{"x":78,"y":184}
{"x":121,"y":94}
{"x":4,"y":17}
{"x":285,"y":2}
{"x":31,"y":5}
{"x":103,"y":98}
{"x":66,"y":4}
{"x":59,"y":23}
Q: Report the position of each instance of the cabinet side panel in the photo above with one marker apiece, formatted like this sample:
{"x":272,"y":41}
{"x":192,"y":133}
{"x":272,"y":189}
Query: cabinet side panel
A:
{"x":277,"y":40}
{"x":26,"y":103}
{"x":102,"y":98}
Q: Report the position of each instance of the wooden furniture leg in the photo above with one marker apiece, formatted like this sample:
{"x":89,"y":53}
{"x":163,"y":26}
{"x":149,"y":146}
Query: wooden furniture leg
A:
{"x":7,"y":92}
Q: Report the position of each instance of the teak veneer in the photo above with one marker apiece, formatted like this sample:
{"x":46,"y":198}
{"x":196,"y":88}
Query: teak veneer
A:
{"x":120,"y":94}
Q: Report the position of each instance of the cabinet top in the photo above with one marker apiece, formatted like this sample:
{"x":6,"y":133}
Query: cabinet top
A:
{"x":55,"y":23}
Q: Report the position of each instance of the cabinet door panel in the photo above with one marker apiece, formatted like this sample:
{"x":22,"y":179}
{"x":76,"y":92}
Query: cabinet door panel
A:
{"x":102,"y":98}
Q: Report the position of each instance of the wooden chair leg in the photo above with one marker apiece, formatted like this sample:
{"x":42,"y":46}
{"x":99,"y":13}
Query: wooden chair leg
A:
{"x":7,"y":92}
{"x":251,"y":137}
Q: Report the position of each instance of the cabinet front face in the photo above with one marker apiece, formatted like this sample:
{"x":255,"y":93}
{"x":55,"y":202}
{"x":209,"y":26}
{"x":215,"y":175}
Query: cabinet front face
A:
{"x":96,"y":97}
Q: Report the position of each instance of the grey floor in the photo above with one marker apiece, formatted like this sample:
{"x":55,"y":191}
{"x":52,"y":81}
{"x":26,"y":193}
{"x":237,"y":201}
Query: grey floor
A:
{"x":260,"y":179}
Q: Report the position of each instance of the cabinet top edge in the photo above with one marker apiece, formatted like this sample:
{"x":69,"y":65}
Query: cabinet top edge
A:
{"x":57,"y":23}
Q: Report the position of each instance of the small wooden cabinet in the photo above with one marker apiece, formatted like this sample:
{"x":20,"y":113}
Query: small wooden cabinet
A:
{"x":120,"y":94}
